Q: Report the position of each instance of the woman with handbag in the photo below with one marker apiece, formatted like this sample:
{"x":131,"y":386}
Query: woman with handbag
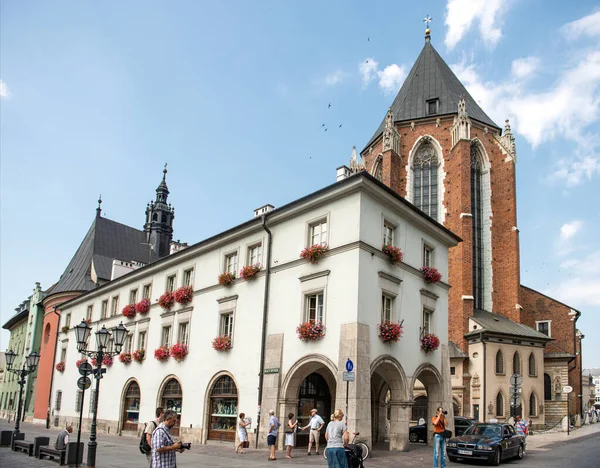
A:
{"x":290,"y":435}
{"x":243,"y":434}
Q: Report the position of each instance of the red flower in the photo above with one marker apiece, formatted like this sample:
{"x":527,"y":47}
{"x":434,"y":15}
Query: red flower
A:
{"x":107,"y":361}
{"x":221,"y":343}
{"x":184,"y":294}
{"x":80,"y":361}
{"x":129,"y":311}
{"x":143,"y":306}
{"x":166,"y":300}
{"x":390,"y":332}
{"x":314,"y":253}
{"x":430,"y":342}
{"x":60,"y":367}
{"x":225,"y":279}
{"x":161,"y":354}
{"x":179,"y":351}
{"x":125,"y":358}
{"x":250,"y":271}
{"x":394,"y":253}
{"x":139,"y":355}
{"x":431,"y":275}
{"x":310,"y":331}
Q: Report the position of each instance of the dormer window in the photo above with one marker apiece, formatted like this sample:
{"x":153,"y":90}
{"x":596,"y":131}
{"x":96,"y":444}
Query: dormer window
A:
{"x":433,"y":106}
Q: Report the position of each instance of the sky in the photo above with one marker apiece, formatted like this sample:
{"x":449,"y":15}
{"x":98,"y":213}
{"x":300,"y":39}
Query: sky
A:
{"x":95,"y":97}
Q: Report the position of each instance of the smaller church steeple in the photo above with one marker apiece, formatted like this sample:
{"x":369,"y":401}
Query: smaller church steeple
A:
{"x":159,"y":220}
{"x":427,"y":20}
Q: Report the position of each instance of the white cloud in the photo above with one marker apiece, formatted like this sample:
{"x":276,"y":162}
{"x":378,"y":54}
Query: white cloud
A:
{"x":390,"y":78}
{"x":335,"y":77}
{"x":586,"y":26}
{"x":461,"y":14}
{"x":368,"y":70}
{"x":568,"y":230}
{"x":524,"y":67}
{"x":4,"y":91}
{"x":575,"y":172}
{"x":583,"y":288}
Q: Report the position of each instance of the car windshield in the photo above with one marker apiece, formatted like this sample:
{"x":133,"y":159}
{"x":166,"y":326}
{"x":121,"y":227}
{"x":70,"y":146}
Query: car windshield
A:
{"x":486,"y":430}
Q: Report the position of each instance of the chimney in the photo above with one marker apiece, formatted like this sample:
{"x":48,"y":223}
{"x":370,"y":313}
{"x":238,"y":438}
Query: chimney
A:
{"x":342,"y":172}
{"x":175,"y":247}
{"x":262,"y":210}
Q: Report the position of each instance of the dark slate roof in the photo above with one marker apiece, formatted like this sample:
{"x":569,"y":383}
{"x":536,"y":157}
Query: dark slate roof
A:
{"x":431,"y":78}
{"x":16,"y":319}
{"x":106,"y":240}
{"x":455,"y":351}
{"x":496,"y":323}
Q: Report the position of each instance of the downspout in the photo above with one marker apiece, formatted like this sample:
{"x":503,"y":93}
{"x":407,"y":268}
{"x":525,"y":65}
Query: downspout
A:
{"x":52,"y":372}
{"x":265,"y":320}
{"x":484,"y":376}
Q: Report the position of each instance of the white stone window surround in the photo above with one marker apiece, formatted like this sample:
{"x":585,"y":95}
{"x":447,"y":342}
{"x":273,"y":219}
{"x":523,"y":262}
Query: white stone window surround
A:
{"x":227,"y":306}
{"x":311,"y":223}
{"x":388,"y":298}
{"x":147,"y":291}
{"x":249,"y":251}
{"x":231,"y":261}
{"x":390,"y":222}
{"x":549,"y":322}
{"x":312,"y":284}
{"x":172,"y":277}
{"x":133,"y":294}
{"x":431,"y":248}
{"x":440,"y":173}
{"x":188,"y":275}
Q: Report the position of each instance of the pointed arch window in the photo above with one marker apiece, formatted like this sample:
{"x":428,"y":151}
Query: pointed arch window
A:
{"x":532,"y":367}
{"x":532,"y":405}
{"x":547,"y":387}
{"x":516,"y":363}
{"x":425,"y":179}
{"x":499,"y":405}
{"x":499,"y":362}
{"x":477,"y":213}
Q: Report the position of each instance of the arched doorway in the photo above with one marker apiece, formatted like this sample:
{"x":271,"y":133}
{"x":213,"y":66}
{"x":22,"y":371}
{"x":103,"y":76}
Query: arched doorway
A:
{"x":419,"y":409}
{"x":172,"y":399}
{"x":428,"y":381}
{"x":223,"y":409}
{"x":314,"y":393}
{"x":131,"y":407}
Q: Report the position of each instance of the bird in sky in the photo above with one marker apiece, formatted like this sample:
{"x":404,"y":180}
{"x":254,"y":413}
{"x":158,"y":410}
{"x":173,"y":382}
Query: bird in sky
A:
{"x":329,"y":106}
{"x":340,"y":126}
{"x":369,"y":39}
{"x":323,"y":125}
{"x":325,"y":129}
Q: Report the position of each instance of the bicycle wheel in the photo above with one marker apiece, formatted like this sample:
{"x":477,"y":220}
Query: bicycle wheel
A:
{"x":365,"y":449}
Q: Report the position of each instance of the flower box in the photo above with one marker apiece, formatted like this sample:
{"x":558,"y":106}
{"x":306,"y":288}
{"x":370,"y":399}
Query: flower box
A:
{"x":394,"y":253}
{"x":129,"y":311}
{"x":431,"y":275}
{"x":166,"y":300}
{"x":65,"y":329}
{"x":249,"y":272}
{"x":139,"y":355}
{"x":60,"y":367}
{"x":179,"y":351}
{"x":143,"y":306}
{"x":107,"y":361}
{"x":429,"y":342}
{"x":314,"y":253}
{"x":390,"y":332}
{"x":125,"y":358}
{"x":80,"y":361}
{"x":184,"y":295}
{"x":225,"y":279}
{"x":310,"y":331}
{"x":161,"y":354}
{"x":221,"y":343}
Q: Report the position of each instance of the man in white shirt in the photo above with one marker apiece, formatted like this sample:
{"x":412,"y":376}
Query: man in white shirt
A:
{"x":316,"y":423}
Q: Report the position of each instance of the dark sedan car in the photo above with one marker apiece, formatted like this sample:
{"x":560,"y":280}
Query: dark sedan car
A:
{"x":487,"y":441}
{"x":419,"y":432}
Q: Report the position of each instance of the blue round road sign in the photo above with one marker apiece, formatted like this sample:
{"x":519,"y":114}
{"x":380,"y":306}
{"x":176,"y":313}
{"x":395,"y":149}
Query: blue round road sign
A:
{"x":349,"y":366}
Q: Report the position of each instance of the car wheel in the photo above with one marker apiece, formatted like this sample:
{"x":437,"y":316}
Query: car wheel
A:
{"x":520,"y":453}
{"x":413,"y":437}
{"x":452,"y":459}
{"x":497,"y":457}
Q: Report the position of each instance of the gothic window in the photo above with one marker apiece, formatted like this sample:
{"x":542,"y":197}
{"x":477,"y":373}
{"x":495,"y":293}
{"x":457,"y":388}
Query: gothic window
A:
{"x":516,"y":363}
{"x":377,"y":170}
{"x":155,"y":217}
{"x":532,"y":369}
{"x":499,"y":362}
{"x":425,"y":180}
{"x":547,"y":387}
{"x":499,"y":405}
{"x":477,"y":213}
{"x":532,"y":405}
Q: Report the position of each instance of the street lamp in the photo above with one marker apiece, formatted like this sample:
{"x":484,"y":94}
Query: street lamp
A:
{"x":29,"y":365}
{"x":82,"y":335}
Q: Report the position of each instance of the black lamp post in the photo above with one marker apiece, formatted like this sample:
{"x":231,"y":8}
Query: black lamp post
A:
{"x":29,"y":366}
{"x":82,"y":334}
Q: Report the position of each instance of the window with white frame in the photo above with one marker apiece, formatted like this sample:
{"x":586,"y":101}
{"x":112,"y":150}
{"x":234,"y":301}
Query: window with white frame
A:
{"x":188,"y":277}
{"x":314,"y":307}
{"x":142,"y":340}
{"x":104,"y":310}
{"x":183,"y":336}
{"x":133,"y":296}
{"x":427,"y":319}
{"x":171,"y":283}
{"x":88,"y":313}
{"x":68,"y":320}
{"x":227,"y":324}
{"x":114,"y":306}
{"x":543,"y":327}
{"x":318,"y":233}
{"x":147,"y":290}
{"x":63,"y":354}
{"x":387,"y":306}
{"x":255,"y":254}
{"x":388,"y":233}
{"x":231,"y":262}
{"x":128,"y":345}
{"x":427,"y":255}
{"x":166,"y":337}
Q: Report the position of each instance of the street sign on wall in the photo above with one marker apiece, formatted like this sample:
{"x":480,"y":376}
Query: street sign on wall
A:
{"x":567,"y":389}
{"x":516,"y":380}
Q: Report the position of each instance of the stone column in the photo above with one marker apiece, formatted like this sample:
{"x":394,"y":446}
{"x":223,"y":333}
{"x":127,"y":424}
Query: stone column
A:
{"x":271,"y":386}
{"x":399,"y":423}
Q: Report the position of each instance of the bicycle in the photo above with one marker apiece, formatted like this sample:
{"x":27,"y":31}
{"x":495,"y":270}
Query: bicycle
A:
{"x":366,"y":451}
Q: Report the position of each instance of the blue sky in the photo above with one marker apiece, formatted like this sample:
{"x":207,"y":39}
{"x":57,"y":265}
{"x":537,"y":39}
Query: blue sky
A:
{"x":97,"y":96}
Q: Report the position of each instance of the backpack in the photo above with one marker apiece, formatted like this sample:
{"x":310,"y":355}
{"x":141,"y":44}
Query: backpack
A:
{"x":144,"y":447}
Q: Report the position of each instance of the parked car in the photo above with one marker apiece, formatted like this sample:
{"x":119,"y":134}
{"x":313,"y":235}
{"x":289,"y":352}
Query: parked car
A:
{"x":419,"y":432}
{"x":487,"y":441}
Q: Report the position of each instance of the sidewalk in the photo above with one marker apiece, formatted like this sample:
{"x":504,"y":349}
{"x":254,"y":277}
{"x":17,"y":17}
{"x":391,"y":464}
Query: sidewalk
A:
{"x":543,"y":441}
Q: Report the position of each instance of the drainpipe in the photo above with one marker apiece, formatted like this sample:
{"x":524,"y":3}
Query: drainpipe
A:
{"x":263,"y":342}
{"x":484,"y":377}
{"x":52,"y":372}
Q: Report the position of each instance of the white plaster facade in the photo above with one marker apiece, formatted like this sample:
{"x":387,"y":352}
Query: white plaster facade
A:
{"x":352,"y":277}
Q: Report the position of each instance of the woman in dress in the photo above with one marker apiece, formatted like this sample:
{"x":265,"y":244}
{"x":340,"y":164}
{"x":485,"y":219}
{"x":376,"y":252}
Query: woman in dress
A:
{"x":290,"y":435}
{"x":337,"y":438}
{"x":242,"y":433}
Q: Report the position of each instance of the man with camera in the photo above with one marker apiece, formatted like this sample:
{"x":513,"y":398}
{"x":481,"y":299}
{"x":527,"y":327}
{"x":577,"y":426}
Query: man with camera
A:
{"x":439,"y":438}
{"x":163,"y":447}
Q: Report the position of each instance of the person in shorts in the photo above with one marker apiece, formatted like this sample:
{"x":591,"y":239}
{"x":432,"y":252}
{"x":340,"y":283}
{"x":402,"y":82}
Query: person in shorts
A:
{"x":316,"y":423}
{"x":272,"y":435}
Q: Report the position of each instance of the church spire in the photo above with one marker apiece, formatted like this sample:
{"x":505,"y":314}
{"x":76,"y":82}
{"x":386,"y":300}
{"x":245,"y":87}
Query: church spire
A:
{"x":427,"y":20}
{"x":99,"y":209}
{"x":159,"y":220}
